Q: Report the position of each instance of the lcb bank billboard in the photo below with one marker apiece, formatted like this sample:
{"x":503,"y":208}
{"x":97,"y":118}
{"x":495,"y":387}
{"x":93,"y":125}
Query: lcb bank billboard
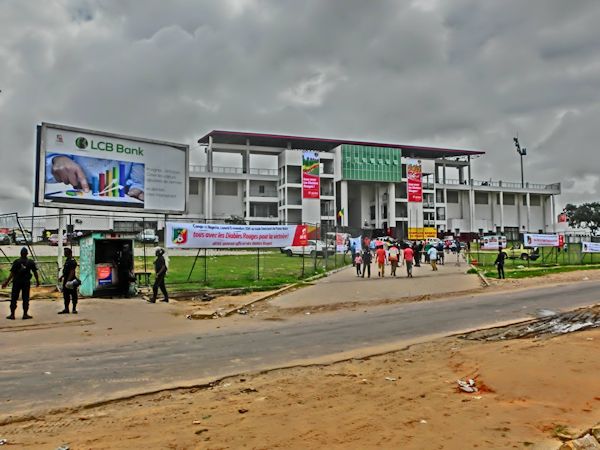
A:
{"x":78,"y":168}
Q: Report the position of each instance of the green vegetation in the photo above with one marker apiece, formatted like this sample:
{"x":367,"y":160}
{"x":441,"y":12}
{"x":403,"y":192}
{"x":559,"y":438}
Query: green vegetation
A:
{"x":538,"y":271}
{"x":269,"y":269}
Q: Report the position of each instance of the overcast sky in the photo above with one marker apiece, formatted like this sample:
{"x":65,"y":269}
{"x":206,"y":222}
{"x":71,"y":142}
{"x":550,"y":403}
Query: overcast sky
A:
{"x":453,"y":73}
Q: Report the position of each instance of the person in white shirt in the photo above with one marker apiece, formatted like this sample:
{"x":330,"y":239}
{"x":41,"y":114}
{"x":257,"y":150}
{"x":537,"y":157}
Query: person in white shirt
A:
{"x":432,"y":253}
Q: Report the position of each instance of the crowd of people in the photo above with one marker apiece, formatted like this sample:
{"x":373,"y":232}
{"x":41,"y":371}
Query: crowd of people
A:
{"x":396,"y":254}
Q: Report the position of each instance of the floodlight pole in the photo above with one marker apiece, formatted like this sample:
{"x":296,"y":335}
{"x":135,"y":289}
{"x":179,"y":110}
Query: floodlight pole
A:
{"x":522,"y":152}
{"x":522,"y":176}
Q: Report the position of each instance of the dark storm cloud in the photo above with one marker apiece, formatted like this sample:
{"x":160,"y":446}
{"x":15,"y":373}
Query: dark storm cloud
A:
{"x":458,"y":73}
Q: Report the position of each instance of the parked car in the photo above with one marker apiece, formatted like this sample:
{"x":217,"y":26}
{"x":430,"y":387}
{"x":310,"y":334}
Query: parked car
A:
{"x":519,"y":251}
{"x":148,"y":236}
{"x":4,"y":238}
{"x":53,"y":240}
{"x":22,"y":239}
{"x":312,"y":248}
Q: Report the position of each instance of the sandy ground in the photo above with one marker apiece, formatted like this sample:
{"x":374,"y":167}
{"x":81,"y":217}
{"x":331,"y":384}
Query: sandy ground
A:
{"x":406,"y":399}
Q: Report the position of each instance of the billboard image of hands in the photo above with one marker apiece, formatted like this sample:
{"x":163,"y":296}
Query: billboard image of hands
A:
{"x":87,"y":169}
{"x":83,"y":179}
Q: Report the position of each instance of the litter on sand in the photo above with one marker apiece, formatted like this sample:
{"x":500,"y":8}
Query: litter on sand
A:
{"x":467,"y":386}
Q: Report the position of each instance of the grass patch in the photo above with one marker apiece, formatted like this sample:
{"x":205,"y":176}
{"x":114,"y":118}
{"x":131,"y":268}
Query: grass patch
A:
{"x":532,"y":272}
{"x":267,"y":270}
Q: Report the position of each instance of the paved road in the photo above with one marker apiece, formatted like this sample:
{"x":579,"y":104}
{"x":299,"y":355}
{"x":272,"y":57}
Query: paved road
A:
{"x":81,"y":374}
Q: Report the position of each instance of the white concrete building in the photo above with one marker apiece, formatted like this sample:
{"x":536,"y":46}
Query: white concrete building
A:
{"x":262,"y":183}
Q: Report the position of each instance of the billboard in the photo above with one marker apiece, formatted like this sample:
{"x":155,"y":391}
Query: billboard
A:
{"x":206,"y":235}
{"x":493,"y":242}
{"x":541,"y":240}
{"x":310,"y":174}
{"x":78,"y":168}
{"x":415,"y":181}
{"x":590,"y":247}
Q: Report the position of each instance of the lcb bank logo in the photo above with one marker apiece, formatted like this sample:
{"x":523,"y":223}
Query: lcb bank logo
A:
{"x":81,"y":143}
{"x":180,"y":236}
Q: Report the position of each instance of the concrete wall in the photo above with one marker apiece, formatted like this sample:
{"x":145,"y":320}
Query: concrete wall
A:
{"x":225,"y":206}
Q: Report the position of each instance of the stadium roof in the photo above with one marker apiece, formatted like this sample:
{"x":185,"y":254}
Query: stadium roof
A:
{"x":320,"y":144}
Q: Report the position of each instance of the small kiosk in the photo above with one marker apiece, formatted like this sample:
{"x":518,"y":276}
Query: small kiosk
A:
{"x":98,"y":257}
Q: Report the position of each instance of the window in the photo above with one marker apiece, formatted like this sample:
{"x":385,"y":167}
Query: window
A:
{"x":226,"y":188}
{"x":535,"y":200}
{"x":261,"y":188}
{"x":509,"y":199}
{"x":481,"y":198}
{"x":372,"y":212}
{"x":452,"y":196}
{"x":194,"y":186}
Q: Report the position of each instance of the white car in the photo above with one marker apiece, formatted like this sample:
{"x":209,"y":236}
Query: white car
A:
{"x":148,"y":236}
{"x":312,"y":248}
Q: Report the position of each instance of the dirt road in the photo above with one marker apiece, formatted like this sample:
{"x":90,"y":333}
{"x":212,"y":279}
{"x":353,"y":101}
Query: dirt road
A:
{"x":529,"y":390}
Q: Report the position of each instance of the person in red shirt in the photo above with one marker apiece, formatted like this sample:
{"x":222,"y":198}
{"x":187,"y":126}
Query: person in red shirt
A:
{"x":381,"y":257}
{"x":409,"y":258}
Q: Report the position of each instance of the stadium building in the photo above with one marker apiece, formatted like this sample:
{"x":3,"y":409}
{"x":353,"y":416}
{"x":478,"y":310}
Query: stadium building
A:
{"x":408,"y":191}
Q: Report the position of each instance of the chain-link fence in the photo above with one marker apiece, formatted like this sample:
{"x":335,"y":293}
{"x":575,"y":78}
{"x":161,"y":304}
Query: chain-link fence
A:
{"x":519,"y":256}
{"x":327,"y":249}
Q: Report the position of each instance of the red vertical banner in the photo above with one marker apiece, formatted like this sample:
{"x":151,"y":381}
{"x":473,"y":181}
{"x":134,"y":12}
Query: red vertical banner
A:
{"x":415,"y":181}
{"x":310,"y":174}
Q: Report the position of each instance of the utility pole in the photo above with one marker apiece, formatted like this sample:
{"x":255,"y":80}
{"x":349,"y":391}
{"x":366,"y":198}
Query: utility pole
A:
{"x":522,"y":152}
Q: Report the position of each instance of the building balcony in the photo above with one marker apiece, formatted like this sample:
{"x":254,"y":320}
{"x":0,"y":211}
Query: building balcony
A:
{"x":263,"y":195}
{"x":202,"y":170}
{"x":482,"y":185}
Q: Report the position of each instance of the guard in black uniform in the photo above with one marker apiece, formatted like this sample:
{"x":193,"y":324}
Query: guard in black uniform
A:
{"x":160,"y":268}
{"x":20,"y":275}
{"x":68,"y":277}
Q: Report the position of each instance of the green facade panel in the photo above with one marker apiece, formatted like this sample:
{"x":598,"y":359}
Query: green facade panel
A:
{"x":363,"y":163}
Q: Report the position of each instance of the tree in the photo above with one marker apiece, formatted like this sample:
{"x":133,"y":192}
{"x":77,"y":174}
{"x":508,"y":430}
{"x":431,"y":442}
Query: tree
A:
{"x":586,"y":215}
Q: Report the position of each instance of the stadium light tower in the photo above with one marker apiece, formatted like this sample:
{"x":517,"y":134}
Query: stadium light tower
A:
{"x":522,"y":152}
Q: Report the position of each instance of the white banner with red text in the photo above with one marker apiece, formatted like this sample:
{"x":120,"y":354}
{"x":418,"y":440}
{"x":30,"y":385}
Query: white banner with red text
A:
{"x":542,"y":240}
{"x":206,"y":235}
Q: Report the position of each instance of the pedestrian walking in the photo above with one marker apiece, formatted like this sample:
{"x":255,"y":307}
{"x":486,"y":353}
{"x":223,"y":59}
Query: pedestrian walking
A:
{"x":393,"y":253}
{"x":440,"y":252}
{"x":416,"y":254}
{"x":69,"y":282}
{"x":358,"y":262}
{"x":500,"y":263}
{"x":427,"y":247}
{"x":160,"y":269}
{"x":353,"y":252}
{"x":432,"y":255}
{"x":381,"y":258}
{"x":20,"y":275}
{"x":409,"y":259}
{"x":457,"y":243}
{"x":366,"y":258}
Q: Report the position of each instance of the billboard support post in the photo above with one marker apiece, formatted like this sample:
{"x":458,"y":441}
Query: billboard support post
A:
{"x":61,"y":231}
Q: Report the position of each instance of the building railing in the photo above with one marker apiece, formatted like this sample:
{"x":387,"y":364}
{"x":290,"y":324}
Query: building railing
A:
{"x":198,"y":169}
{"x":263,"y":194}
{"x":268,"y":172}
{"x":502,"y":184}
